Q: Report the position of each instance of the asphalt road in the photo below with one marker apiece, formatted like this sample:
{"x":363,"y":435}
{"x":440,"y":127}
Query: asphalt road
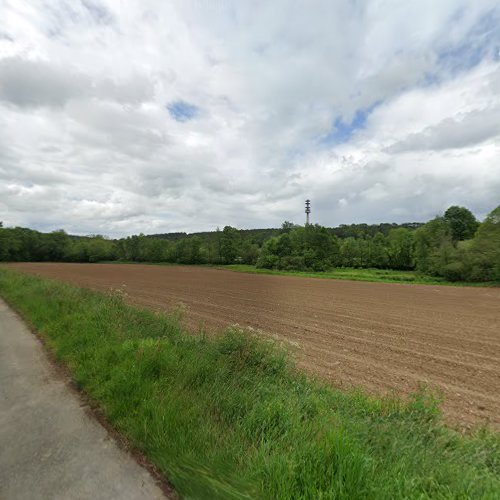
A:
{"x":50,"y":447}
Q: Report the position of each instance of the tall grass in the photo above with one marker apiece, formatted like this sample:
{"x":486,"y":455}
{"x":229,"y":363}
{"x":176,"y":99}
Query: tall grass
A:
{"x":230,"y":417}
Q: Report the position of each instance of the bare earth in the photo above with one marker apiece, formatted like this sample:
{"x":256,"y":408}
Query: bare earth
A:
{"x":381,"y":336}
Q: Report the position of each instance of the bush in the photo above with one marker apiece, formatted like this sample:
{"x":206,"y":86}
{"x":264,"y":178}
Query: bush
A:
{"x":455,"y":271}
{"x":292,"y":263}
{"x":267,"y":261}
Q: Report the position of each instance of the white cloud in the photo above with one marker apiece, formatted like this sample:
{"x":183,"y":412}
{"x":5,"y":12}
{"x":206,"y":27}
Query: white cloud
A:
{"x":88,"y":143}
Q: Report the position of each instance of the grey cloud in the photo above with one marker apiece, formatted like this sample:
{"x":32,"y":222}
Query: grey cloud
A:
{"x":36,"y":83}
{"x":99,"y":13}
{"x":105,"y":125}
{"x":401,"y":194}
{"x":133,"y":90}
{"x":61,"y":17}
{"x":29,"y":83}
{"x":6,"y":36}
{"x":453,"y":133}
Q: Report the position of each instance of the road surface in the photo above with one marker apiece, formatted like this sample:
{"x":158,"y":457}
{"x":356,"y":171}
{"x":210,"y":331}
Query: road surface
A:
{"x":50,"y":446}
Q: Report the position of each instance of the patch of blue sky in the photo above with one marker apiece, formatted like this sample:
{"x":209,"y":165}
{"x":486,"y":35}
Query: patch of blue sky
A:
{"x":342,"y":131}
{"x":482,"y":41}
{"x":430,"y":79}
{"x":182,"y":111}
{"x":462,"y":58}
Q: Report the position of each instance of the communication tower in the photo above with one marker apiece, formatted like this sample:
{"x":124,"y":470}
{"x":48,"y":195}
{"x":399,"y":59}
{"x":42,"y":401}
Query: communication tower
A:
{"x":308,"y":211}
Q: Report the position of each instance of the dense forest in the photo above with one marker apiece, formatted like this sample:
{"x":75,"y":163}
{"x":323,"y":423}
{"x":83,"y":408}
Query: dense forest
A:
{"x":454,"y":246}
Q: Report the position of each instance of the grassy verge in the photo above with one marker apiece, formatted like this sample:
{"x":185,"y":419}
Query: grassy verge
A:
{"x":349,"y":273}
{"x":231,"y":418}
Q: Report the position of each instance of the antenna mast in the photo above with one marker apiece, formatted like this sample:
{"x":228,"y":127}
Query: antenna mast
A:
{"x":308,"y":211}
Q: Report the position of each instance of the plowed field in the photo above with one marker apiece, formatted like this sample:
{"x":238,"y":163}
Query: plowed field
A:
{"x":383,"y":337}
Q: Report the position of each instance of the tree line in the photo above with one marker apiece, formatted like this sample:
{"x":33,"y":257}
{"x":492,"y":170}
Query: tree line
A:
{"x":454,"y":246}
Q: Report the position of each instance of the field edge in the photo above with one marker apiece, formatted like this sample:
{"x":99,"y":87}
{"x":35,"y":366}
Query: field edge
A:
{"x":363,"y":274}
{"x":371,"y":275}
{"x":71,"y":320}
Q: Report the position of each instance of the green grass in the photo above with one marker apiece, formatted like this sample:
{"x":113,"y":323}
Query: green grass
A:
{"x":230,"y":417}
{"x":350,"y":273}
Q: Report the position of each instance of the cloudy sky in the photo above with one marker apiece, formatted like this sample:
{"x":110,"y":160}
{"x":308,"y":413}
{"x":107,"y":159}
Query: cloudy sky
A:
{"x":127,"y":116}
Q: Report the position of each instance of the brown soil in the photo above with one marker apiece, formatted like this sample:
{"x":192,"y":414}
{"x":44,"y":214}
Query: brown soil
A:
{"x":381,"y":336}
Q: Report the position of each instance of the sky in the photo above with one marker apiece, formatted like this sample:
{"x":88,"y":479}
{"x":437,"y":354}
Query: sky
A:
{"x":126,"y":116}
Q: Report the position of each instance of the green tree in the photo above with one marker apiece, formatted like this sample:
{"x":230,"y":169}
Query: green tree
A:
{"x":229,"y":244}
{"x":485,"y":249}
{"x":54,"y":246}
{"x":377,"y":251}
{"x":463,"y":224}
{"x":268,"y":258}
{"x":153,"y":250}
{"x":90,"y":249}
{"x":430,"y":239}
{"x":249,"y":252}
{"x":400,"y":249}
{"x":99,"y":248}
{"x":130,"y":247}
{"x":189,"y":251}
{"x":351,"y":252}
{"x":287,"y":226}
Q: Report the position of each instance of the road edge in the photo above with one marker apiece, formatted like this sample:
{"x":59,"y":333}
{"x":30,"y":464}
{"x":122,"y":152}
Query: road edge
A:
{"x":92,"y":409}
